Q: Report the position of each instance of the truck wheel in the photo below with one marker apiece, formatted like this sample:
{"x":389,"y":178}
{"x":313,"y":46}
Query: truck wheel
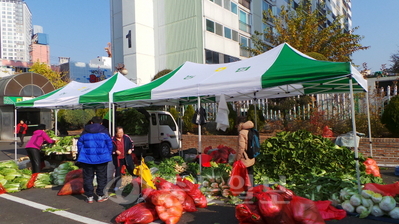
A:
{"x":164,"y":150}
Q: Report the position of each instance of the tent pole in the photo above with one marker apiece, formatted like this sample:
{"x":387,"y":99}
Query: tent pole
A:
{"x":113,"y":119}
{"x":109,"y":118}
{"x":256,"y":123}
{"x":56,"y":122}
{"x":354,"y":134}
{"x":181,"y":112}
{"x":369,"y":125}
{"x":199,"y":138}
{"x":15,"y":133}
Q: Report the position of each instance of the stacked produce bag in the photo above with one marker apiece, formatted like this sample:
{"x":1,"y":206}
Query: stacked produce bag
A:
{"x":59,"y":173}
{"x":167,"y":203}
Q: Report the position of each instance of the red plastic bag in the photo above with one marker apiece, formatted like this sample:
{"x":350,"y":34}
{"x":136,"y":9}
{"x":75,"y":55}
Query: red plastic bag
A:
{"x":189,"y":205}
{"x":32,"y":180}
{"x":239,"y":180}
{"x":73,"y":174}
{"x":140,"y":213}
{"x":270,"y":204}
{"x":372,"y":167}
{"x":192,"y":191}
{"x":254,"y":191}
{"x":304,"y":211}
{"x":2,"y":190}
{"x":329,"y":212}
{"x":173,"y":189}
{"x":384,"y":189}
{"x":248,"y":214}
{"x":74,"y":186}
{"x":327,"y":132}
{"x":168,"y":207}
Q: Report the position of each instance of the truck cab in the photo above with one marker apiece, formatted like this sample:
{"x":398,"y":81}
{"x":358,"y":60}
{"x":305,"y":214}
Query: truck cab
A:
{"x":163,"y":135}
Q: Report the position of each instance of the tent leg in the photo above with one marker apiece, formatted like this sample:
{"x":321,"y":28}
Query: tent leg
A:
{"x":199,"y":140}
{"x":15,"y":134}
{"x":56,"y":122}
{"x":181,"y":112}
{"x":369,"y":125}
{"x":354,"y":134}
{"x":255,"y":117}
{"x":113,"y":120}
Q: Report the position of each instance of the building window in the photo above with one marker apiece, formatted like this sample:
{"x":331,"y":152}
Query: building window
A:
{"x":228,"y":58}
{"x":245,"y":3}
{"x":234,"y":8}
{"x":244,"y":41}
{"x":245,"y":21}
{"x":234,"y":35}
{"x":266,"y":6}
{"x":210,"y":26}
{"x":227,"y":32}
{"x":226,"y":4}
{"x":219,"y":29}
{"x":212,"y":57}
{"x":219,"y":2}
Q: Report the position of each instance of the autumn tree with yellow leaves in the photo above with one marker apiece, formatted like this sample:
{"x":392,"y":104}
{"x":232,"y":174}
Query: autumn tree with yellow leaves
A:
{"x":56,"y":78}
{"x":308,"y":32}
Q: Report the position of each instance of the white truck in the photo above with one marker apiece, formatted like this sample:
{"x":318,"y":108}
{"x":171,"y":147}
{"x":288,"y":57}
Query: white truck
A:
{"x":163,"y":135}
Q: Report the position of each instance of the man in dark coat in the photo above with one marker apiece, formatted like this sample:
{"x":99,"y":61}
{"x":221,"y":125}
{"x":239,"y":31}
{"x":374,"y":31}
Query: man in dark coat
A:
{"x":94,"y":153}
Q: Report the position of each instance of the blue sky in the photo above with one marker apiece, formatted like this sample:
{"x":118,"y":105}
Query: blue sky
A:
{"x":80,"y":29}
{"x":378,"y":22}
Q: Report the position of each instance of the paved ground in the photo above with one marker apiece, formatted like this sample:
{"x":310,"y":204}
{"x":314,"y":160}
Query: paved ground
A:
{"x":28,"y":206}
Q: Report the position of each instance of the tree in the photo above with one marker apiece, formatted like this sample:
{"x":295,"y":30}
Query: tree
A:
{"x":395,"y":61}
{"x":161,"y":73}
{"x":306,"y":30}
{"x":54,"y":77}
{"x":390,"y":116}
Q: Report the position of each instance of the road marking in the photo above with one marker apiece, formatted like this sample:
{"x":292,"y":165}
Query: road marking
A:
{"x":44,"y":207}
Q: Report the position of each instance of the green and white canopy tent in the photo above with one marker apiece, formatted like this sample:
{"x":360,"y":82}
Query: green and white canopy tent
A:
{"x":77,"y":95}
{"x":280,"y":72}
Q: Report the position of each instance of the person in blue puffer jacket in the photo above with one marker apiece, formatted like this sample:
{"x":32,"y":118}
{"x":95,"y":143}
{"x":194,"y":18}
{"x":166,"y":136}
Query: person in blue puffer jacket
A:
{"x":94,"y":152}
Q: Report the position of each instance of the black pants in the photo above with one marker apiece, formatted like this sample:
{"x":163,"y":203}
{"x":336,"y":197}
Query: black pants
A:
{"x":118,"y":169}
{"x":21,"y":137}
{"x":88,"y":175}
{"x":35,"y":159}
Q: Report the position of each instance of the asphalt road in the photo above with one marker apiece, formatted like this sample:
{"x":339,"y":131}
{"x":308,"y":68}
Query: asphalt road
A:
{"x":32,"y":206}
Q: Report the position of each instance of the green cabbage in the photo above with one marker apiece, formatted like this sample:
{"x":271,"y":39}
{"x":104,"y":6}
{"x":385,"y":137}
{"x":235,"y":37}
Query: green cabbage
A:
{"x":376,"y":211}
{"x":346,"y":205}
{"x":42,"y":180}
{"x":26,"y":172}
{"x":355,"y":200}
{"x":9,"y":164}
{"x":394,"y":213}
{"x":22,"y":182}
{"x":6,"y":171}
{"x":387,"y":203}
{"x":62,"y":172}
{"x":367,"y":202}
{"x":3,"y":181}
{"x":346,"y":193}
{"x":376,"y":197}
{"x":367,"y":193}
{"x":11,"y":187}
{"x":363,"y":211}
{"x":66,"y":165}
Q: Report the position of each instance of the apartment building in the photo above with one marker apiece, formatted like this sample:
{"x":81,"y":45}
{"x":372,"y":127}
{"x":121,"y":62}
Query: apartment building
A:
{"x":15,"y":30}
{"x":149,"y":36}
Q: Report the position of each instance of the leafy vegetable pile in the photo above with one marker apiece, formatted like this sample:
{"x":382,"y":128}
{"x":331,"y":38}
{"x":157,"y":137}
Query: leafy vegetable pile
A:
{"x":12,"y":178}
{"x":63,"y":145}
{"x":59,"y":173}
{"x":310,"y":165}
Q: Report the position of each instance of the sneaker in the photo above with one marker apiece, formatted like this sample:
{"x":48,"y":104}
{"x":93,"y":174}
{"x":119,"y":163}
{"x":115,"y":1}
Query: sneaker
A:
{"x":102,"y":198}
{"x":90,"y":199}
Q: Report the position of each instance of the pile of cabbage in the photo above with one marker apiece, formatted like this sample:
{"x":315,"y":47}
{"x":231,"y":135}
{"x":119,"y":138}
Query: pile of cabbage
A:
{"x":12,"y":178}
{"x":59,"y":173}
{"x":367,"y":203}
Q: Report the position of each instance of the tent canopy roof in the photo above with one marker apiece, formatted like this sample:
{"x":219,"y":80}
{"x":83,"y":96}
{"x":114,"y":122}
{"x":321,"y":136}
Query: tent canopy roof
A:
{"x":280,"y":72}
{"x":77,"y":95}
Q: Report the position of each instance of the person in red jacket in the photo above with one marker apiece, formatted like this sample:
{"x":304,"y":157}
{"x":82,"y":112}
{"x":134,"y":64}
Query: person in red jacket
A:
{"x":21,"y":131}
